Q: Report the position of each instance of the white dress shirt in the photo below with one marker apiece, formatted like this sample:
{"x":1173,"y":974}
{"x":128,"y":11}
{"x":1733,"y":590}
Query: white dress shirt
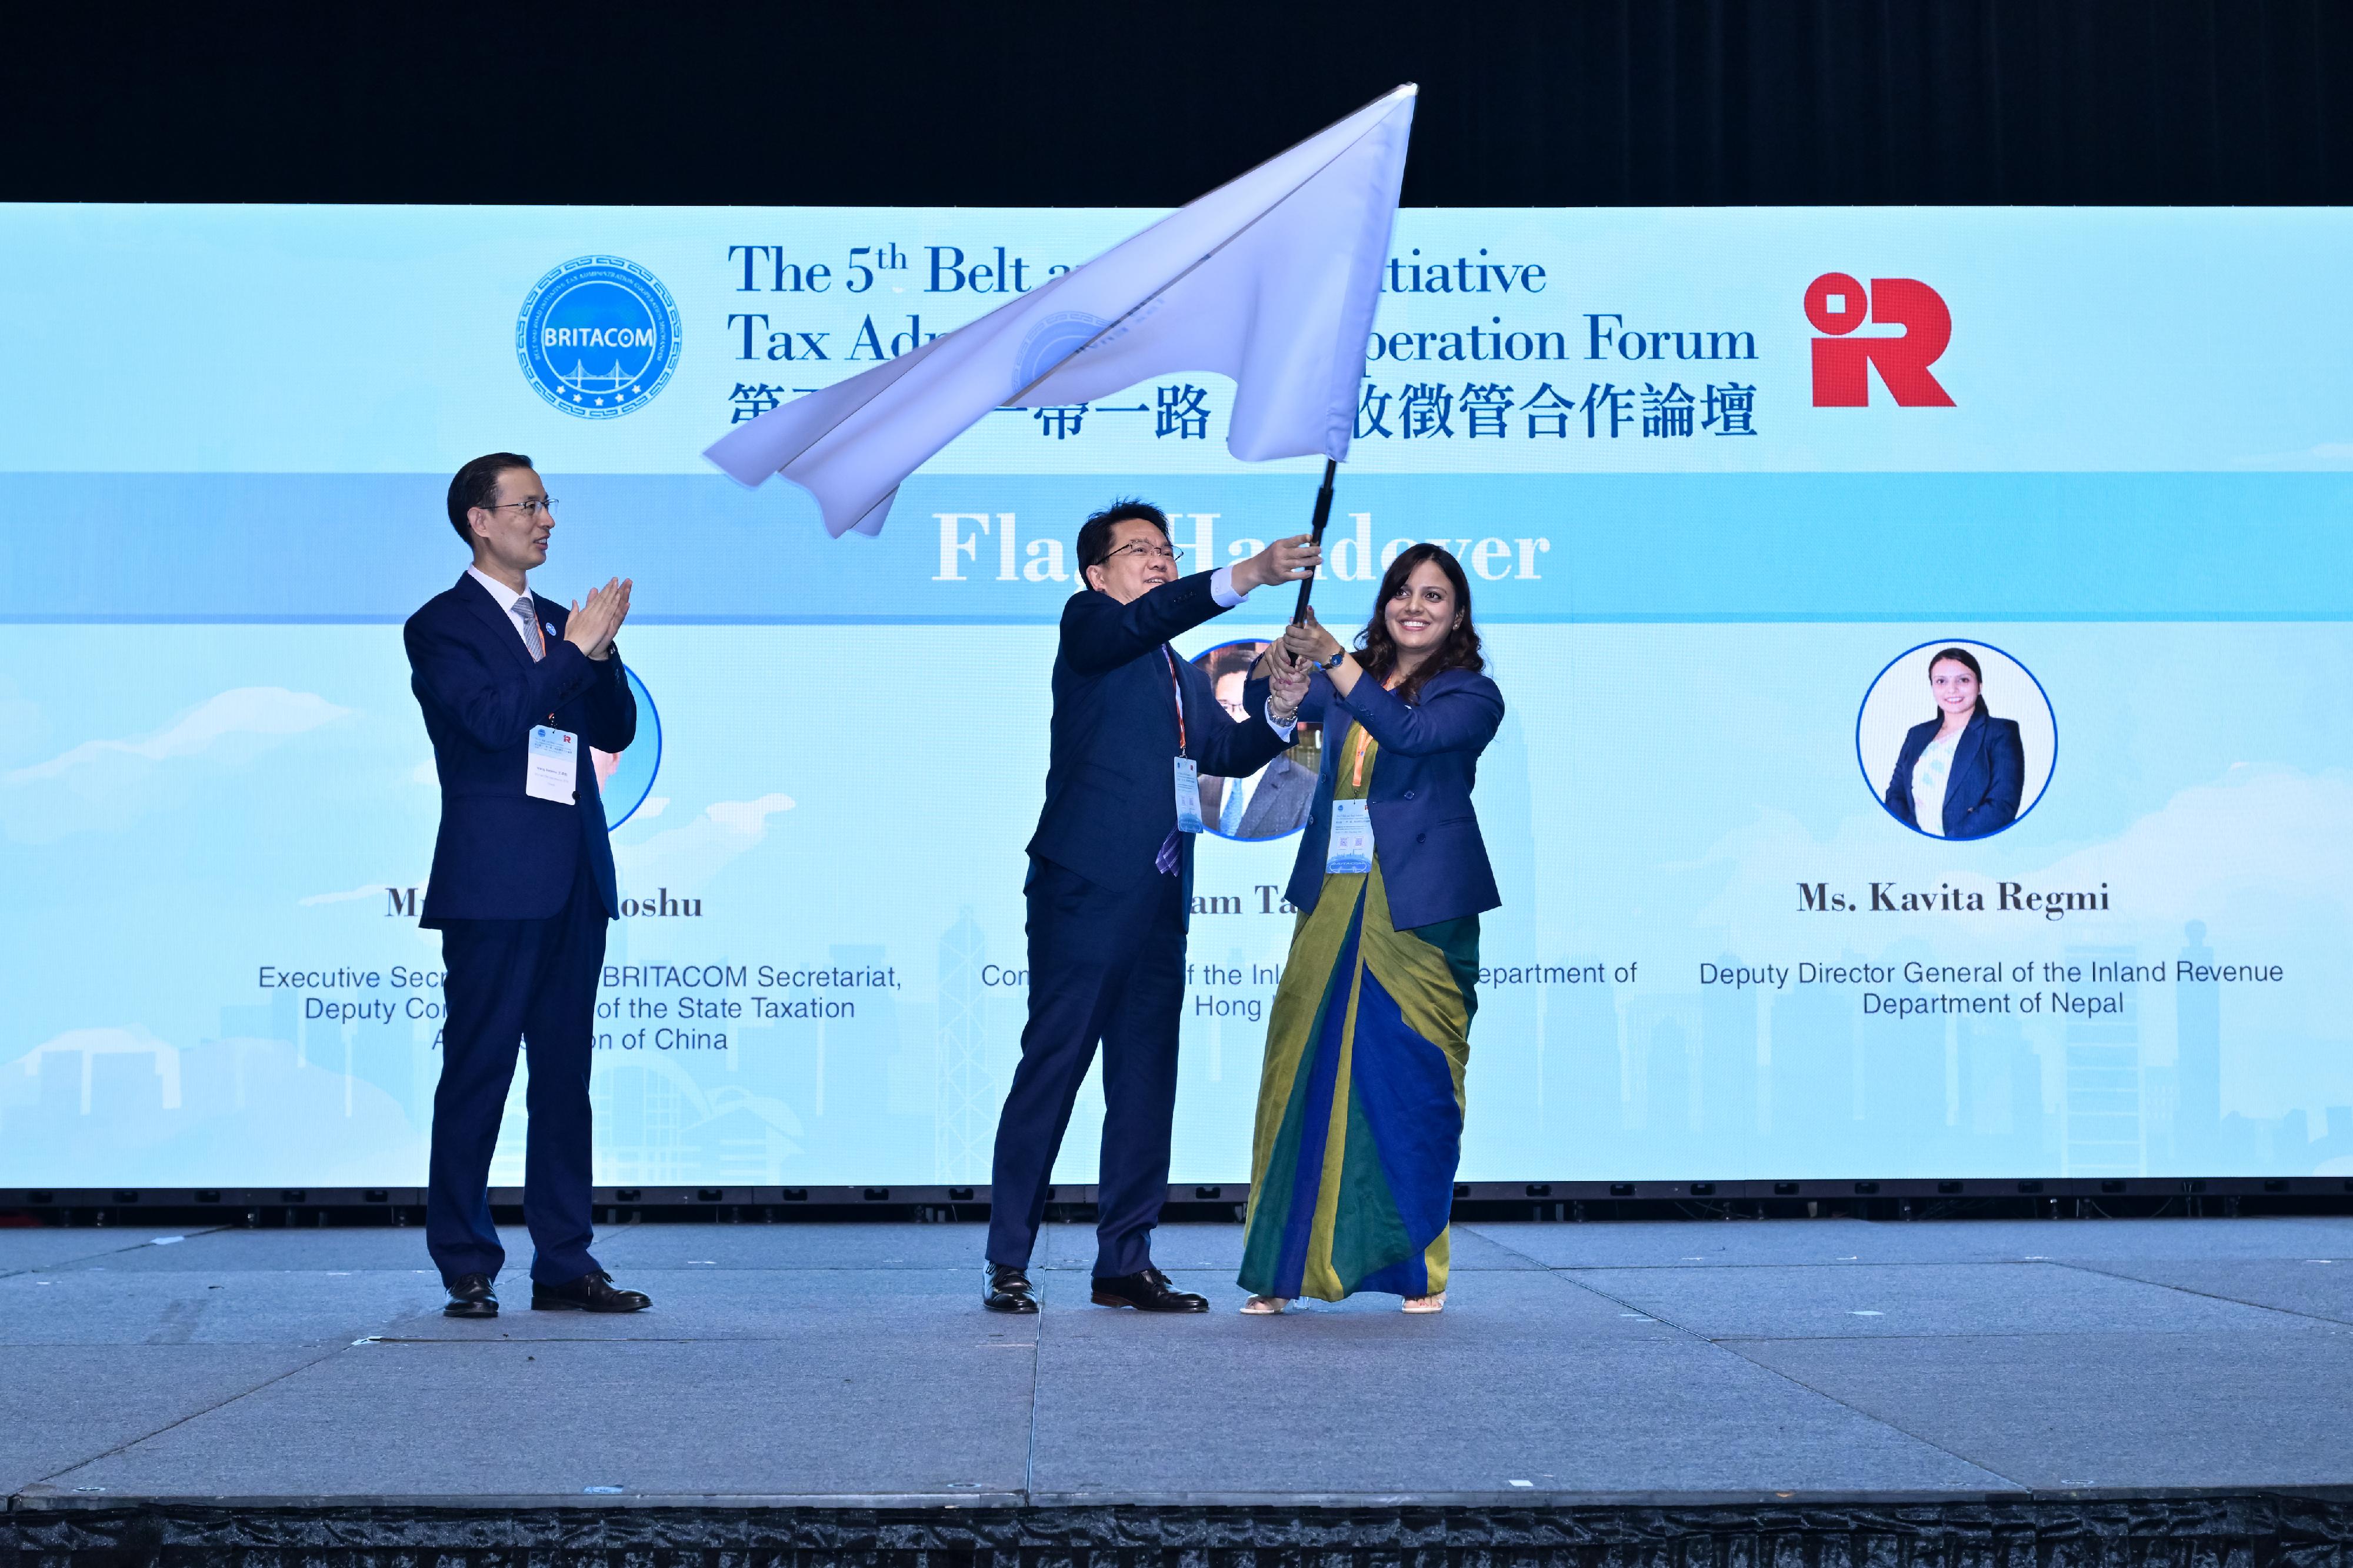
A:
{"x":1222,"y":589}
{"x":506,"y":597}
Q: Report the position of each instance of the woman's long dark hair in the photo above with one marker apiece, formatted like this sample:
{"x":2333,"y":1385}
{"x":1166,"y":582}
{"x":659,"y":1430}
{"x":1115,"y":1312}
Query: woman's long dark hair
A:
{"x":1378,"y":651}
{"x":1960,"y":655}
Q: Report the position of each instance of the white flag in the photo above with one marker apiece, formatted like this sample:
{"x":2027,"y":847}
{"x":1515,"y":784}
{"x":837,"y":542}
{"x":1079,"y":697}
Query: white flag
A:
{"x":1271,"y":279}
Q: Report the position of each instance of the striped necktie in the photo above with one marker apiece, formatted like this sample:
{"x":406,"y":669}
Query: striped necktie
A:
{"x":525,"y":612}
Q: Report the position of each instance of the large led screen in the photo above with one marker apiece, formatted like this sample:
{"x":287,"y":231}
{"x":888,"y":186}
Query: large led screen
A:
{"x":1726,"y":484}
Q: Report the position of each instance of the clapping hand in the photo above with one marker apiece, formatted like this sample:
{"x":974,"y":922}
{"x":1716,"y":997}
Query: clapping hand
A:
{"x":591,"y":626}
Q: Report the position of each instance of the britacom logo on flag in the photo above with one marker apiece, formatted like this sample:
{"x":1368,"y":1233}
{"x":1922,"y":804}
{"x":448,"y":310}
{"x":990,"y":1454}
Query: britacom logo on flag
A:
{"x":1838,"y":304}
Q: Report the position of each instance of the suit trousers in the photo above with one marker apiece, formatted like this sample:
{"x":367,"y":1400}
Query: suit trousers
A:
{"x":517,"y":984}
{"x":1105,"y":965}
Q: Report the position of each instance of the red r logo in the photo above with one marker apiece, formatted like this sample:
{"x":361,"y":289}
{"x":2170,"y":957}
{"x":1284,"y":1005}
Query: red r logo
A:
{"x":1835,"y":304}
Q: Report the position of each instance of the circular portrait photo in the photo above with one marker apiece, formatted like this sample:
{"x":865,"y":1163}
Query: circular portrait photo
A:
{"x":1955,"y":739}
{"x":1274,"y":800}
{"x":626,"y":778}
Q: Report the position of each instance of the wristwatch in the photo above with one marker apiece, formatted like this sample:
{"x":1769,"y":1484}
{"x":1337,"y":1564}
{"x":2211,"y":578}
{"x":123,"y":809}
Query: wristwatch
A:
{"x":1333,"y":662}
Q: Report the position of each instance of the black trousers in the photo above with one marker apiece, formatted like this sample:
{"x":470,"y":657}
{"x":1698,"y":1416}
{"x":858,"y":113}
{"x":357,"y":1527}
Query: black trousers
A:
{"x":514,"y":984}
{"x":1106,"y":967}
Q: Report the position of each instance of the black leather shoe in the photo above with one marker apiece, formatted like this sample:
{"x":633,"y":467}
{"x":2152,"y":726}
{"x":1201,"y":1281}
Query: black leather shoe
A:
{"x":589,"y":1293}
{"x":470,"y":1296}
{"x":1008,"y":1289}
{"x":1147,"y":1292}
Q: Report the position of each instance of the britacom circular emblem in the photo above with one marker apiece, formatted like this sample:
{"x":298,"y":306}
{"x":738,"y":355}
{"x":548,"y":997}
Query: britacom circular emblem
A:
{"x":598,"y":336}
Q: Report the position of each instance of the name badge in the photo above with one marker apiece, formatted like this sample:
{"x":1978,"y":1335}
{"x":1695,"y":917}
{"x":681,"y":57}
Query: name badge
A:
{"x":553,"y":770}
{"x":1188,"y":795}
{"x":1351,"y":851}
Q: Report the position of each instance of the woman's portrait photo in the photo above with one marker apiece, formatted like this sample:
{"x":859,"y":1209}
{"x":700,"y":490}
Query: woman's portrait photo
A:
{"x":1955,"y":739}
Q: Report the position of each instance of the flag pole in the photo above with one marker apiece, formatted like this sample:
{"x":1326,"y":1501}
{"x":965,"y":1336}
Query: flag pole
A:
{"x":1315,"y":536}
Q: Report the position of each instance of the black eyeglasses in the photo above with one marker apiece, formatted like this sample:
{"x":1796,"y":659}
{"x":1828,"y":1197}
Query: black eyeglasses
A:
{"x":1149,"y":552}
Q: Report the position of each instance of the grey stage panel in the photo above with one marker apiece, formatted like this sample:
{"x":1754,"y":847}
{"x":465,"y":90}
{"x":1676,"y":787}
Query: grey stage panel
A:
{"x":762,"y":1373}
{"x":1526,"y":1379}
{"x":1875,"y":1301}
{"x":2127,"y":1410}
{"x":109,"y":1307}
{"x":344,"y":1248}
{"x":719,"y":1307}
{"x":53,"y":1248}
{"x":2319,"y":1287}
{"x":62,"y":1405}
{"x":888,"y":1406}
{"x":1670,"y":1244}
{"x":1217,"y":1248}
{"x":849,"y":1245}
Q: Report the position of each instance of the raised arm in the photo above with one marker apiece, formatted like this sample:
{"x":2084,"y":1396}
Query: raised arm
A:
{"x":1099,"y":633}
{"x":1462,"y":714}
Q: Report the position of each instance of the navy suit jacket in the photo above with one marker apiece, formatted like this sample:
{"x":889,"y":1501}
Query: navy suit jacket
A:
{"x":502,"y":854}
{"x":1111,"y":795}
{"x":1433,"y":861}
{"x":1982,"y":792}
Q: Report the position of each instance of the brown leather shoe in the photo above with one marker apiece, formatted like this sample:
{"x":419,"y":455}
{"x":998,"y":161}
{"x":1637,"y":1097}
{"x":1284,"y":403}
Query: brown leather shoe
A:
{"x":589,"y":1293}
{"x":1147,"y":1292}
{"x":1008,"y":1289}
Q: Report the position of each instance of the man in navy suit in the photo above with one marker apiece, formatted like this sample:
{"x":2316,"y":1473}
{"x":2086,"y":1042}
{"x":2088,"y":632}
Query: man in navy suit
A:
{"x":1110,"y":890}
{"x":516,"y":690}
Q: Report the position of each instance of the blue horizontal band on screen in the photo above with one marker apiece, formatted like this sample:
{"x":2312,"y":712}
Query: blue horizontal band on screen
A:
{"x":1601,"y":548}
{"x":1244,"y":619}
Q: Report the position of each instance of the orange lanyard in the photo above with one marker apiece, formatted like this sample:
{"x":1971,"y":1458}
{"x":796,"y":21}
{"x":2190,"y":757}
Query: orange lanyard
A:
{"x":1364,"y":741}
{"x":1178,"y":692}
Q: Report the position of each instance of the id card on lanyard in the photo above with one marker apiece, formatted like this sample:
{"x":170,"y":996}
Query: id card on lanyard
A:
{"x":1349,"y":849}
{"x":1188,"y":773}
{"x":552,"y":770}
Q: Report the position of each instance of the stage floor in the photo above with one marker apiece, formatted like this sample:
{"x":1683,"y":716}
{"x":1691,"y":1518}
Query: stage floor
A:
{"x":851,"y":1365}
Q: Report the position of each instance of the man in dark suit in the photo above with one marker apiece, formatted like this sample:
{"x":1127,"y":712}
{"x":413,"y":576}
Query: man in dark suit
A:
{"x":516,"y":690}
{"x":1110,"y":888}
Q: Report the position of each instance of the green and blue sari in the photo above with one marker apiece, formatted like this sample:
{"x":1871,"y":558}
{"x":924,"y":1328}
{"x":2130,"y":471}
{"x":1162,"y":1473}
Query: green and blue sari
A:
{"x":1360,"y":1101}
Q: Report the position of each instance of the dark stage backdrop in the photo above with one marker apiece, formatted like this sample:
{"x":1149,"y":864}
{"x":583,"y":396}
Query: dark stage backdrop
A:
{"x":1643,"y":102}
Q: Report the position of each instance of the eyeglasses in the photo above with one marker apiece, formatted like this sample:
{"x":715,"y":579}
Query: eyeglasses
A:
{"x":1149,"y":552}
{"x":531,"y":508}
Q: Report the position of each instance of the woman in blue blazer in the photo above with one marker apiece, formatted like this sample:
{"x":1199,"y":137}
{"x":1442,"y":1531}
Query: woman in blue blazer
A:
{"x":1960,"y":774}
{"x":1360,"y":1100}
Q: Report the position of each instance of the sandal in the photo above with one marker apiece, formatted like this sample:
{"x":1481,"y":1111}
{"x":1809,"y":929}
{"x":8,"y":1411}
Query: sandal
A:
{"x":1424,"y":1303}
{"x":1265,"y":1306}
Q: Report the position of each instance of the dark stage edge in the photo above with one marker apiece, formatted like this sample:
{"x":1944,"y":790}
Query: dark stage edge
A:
{"x":2217,"y":1532}
{"x":1812,"y":1393}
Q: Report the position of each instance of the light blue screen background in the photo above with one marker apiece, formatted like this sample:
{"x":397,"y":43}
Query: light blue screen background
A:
{"x":210,"y":760}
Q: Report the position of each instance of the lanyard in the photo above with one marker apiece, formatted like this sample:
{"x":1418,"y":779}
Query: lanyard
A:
{"x":1364,"y":739}
{"x":1178,"y":692}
